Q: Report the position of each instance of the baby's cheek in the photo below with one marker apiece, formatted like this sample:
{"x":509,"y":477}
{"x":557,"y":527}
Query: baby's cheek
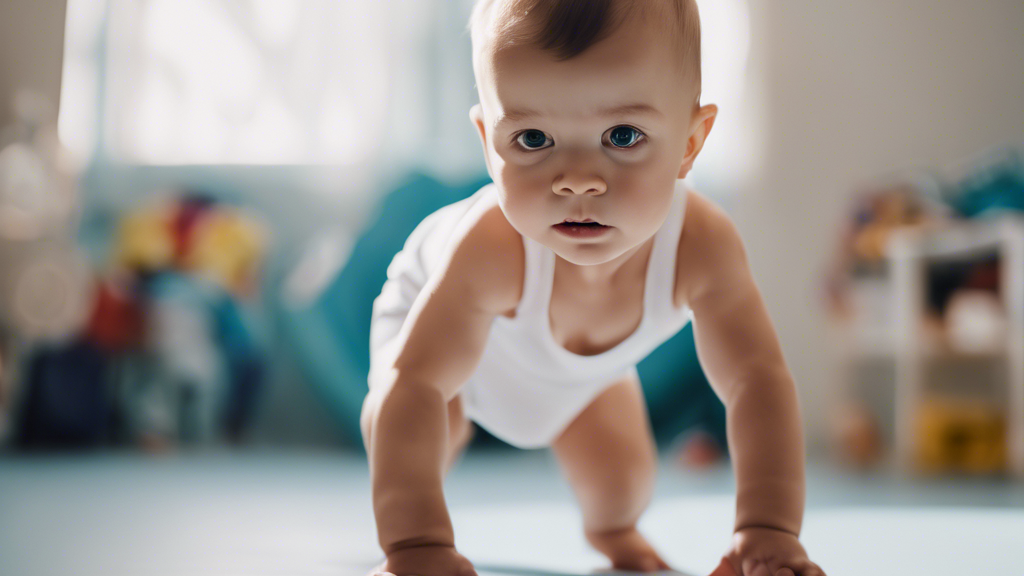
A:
{"x":519,"y":186}
{"x":519,"y":213}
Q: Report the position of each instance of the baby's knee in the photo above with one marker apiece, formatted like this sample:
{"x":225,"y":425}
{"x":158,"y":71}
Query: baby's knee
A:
{"x":619,"y":488}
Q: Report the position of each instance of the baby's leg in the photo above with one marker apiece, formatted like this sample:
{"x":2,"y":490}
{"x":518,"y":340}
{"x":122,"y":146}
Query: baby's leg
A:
{"x":608,"y":455}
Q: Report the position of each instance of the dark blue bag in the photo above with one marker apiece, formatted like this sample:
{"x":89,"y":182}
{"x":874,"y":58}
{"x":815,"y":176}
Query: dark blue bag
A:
{"x":65,"y":402}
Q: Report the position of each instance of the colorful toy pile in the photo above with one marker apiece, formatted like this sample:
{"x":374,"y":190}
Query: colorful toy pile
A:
{"x":167,"y":356}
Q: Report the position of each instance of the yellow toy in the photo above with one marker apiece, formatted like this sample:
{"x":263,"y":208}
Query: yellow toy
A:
{"x":961,"y":436}
{"x":145,"y":240}
{"x":890,"y":209}
{"x":224,"y":245}
{"x":227,"y":248}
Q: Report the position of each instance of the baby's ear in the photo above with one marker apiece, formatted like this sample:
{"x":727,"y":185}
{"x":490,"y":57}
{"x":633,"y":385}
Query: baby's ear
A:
{"x":700,"y":126}
{"x":476,"y":115}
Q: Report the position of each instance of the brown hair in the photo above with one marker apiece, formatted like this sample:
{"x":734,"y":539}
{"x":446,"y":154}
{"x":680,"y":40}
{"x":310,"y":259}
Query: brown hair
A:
{"x":566,"y":28}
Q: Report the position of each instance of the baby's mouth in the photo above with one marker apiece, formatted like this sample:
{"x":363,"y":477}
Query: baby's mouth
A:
{"x":588,"y":223}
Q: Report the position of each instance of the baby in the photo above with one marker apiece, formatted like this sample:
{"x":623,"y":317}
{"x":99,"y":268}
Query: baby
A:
{"x":526,"y":307}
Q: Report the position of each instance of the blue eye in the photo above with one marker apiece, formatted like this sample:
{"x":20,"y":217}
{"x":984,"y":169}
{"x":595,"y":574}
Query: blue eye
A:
{"x":531,"y":139}
{"x":625,"y":136}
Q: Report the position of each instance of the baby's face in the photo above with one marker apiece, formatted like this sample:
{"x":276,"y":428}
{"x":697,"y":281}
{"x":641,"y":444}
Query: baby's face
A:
{"x":574,"y":155}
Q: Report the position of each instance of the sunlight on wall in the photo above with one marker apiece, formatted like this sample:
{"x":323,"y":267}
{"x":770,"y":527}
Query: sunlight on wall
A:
{"x":76,"y":124}
{"x":315,"y":82}
{"x":276,"y":20}
{"x":732,"y":150}
{"x":262,"y":82}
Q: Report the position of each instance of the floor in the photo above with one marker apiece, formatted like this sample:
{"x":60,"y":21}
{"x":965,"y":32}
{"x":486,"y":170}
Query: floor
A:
{"x":306,"y":513}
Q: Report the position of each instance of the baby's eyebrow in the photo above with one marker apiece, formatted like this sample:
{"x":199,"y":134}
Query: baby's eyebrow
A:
{"x":520,"y":114}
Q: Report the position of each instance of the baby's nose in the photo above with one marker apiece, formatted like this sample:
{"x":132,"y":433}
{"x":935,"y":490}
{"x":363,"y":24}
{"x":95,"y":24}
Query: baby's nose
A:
{"x":574,"y":186}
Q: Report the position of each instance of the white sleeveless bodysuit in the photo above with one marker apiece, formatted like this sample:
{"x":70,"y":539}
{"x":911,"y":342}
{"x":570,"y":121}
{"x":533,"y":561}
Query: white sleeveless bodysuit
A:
{"x":527,"y":388}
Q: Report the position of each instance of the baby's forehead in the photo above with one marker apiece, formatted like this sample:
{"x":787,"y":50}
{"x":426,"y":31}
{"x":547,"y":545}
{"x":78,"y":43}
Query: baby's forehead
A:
{"x":511,"y":27}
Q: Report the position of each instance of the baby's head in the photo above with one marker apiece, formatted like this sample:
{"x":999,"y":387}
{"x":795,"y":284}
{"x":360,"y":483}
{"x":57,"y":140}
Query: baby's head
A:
{"x":567,"y":28}
{"x":588,"y":109}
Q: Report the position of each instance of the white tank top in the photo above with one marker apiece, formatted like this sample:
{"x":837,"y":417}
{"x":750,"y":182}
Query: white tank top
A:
{"x":527,"y":388}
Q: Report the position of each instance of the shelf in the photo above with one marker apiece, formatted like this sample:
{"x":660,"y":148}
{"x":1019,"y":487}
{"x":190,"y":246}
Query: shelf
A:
{"x":863,"y":340}
{"x":910,"y":252}
{"x":856,"y":340}
{"x":955,"y":240}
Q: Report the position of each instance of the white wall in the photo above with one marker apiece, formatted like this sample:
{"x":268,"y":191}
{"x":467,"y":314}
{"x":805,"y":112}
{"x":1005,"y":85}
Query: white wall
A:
{"x":31,"y":49}
{"x":852,"y":91}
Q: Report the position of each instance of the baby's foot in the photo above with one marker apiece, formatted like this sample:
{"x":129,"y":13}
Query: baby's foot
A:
{"x":627,"y":549}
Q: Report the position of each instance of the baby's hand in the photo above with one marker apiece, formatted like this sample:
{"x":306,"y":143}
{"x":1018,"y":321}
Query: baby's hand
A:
{"x":766,"y":552}
{"x":425,"y":561}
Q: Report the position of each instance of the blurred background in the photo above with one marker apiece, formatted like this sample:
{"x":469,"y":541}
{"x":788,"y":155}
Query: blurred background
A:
{"x":199,"y":200}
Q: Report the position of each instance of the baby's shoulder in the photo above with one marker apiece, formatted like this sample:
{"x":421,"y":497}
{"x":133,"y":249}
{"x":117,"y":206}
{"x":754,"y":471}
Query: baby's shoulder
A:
{"x":709,"y":241}
{"x":703,"y":220}
{"x":486,"y":258}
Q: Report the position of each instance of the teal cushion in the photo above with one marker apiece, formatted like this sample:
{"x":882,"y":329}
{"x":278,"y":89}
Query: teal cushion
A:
{"x":677,"y":392}
{"x":331,"y":336}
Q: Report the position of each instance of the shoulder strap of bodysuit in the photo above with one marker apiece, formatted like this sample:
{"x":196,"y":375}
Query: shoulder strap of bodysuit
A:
{"x":664,"y":258}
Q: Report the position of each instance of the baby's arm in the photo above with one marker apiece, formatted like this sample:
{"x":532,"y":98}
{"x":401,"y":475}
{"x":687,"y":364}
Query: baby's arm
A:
{"x":740,"y":353}
{"x":405,"y":418}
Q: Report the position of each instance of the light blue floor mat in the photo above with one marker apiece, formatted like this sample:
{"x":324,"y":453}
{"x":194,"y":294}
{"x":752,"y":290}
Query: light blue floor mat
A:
{"x":307,"y":513}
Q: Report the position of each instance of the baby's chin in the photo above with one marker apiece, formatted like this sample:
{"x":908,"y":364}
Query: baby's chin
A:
{"x":588,"y":254}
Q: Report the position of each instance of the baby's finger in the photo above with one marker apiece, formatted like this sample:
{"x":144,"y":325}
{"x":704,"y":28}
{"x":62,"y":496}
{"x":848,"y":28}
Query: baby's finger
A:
{"x":812,"y":569}
{"x":784,"y":572}
{"x":724,"y":569}
{"x":760,"y":569}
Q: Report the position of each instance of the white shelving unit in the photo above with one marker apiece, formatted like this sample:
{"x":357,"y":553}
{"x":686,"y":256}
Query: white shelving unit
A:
{"x":909,"y":252}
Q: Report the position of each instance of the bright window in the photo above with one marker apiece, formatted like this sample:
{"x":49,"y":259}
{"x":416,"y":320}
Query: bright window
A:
{"x":732,"y":149}
{"x":333,"y":82}
{"x":243,"y":82}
